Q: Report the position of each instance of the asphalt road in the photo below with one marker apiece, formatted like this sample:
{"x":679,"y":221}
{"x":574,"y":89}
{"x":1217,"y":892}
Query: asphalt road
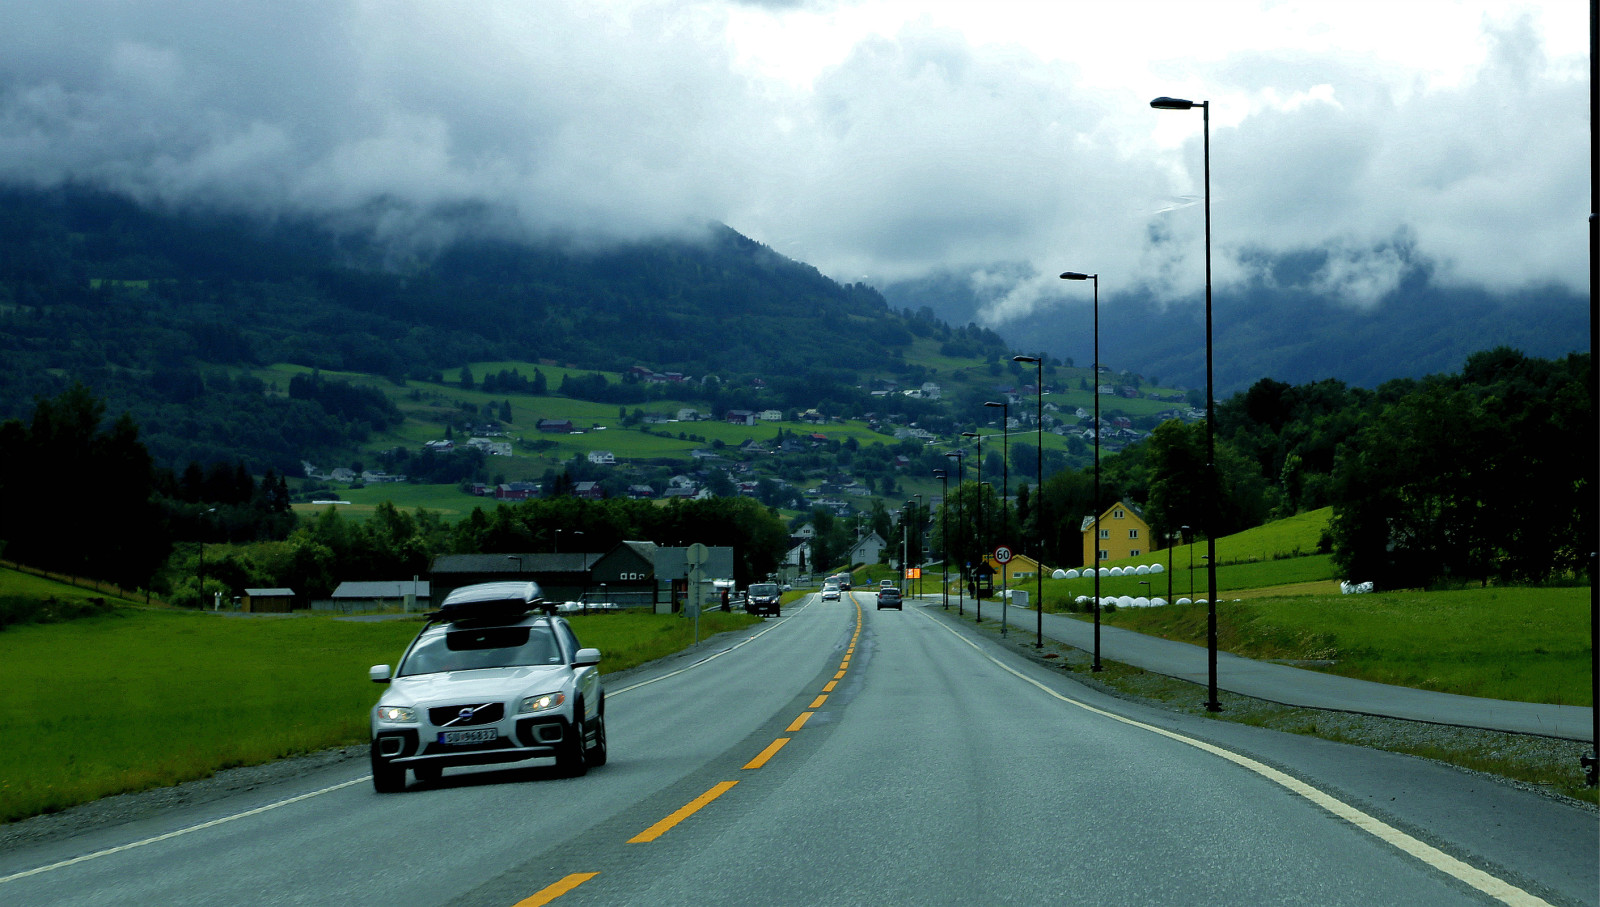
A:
{"x":919,"y":763}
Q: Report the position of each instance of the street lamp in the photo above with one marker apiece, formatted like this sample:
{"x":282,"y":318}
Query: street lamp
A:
{"x":1212,"y":705}
{"x":910,"y":581}
{"x":518,"y":559}
{"x":961,"y":589}
{"x":1038,"y":497}
{"x":983,"y":552}
{"x":983,"y":505}
{"x":1005,"y":462}
{"x":944,"y":529}
{"x":905,"y":543}
{"x":1074,"y":275}
{"x":558,"y":537}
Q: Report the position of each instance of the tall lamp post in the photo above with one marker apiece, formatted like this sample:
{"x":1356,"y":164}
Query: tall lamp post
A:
{"x":558,"y":537}
{"x":911,"y":581}
{"x":1038,"y":495}
{"x":1212,"y":704}
{"x":961,"y":589}
{"x":944,"y":529}
{"x":1075,"y":275}
{"x":983,"y":558}
{"x":905,"y":543}
{"x":1005,"y":462}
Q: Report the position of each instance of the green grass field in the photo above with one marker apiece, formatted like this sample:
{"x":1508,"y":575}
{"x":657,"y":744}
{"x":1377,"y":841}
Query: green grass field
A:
{"x":148,"y":698}
{"x":1528,"y":645}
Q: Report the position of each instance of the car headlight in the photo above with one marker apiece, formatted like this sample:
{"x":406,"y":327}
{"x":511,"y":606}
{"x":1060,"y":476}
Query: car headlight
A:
{"x":543,"y":702}
{"x":397,"y":713}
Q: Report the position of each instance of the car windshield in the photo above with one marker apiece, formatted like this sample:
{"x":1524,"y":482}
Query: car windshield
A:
{"x":764,"y":589}
{"x":474,"y":648}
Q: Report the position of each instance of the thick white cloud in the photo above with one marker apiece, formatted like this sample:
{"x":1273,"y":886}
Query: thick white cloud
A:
{"x":881,"y":139}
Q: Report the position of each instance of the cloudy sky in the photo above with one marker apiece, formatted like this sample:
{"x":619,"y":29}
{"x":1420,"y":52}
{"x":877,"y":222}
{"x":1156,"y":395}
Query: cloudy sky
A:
{"x":878,"y":140}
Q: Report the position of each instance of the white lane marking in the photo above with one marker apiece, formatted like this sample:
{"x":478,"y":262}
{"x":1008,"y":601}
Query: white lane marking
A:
{"x":1494,"y":887}
{"x":182,"y":831}
{"x":316,"y":793}
{"x":708,"y":658}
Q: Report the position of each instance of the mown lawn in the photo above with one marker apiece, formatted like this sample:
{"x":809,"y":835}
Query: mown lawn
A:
{"x":1523,"y":644}
{"x":147,"y":698}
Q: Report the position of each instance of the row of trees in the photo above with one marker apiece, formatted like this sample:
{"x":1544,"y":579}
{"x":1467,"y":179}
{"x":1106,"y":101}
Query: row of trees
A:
{"x":1486,"y":476}
{"x":83,"y":496}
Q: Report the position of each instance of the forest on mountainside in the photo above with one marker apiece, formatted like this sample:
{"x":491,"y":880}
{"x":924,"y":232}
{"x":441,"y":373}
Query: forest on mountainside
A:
{"x":145,"y":306}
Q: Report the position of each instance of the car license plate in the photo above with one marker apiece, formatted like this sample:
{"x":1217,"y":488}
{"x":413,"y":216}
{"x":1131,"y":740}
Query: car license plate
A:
{"x":484,"y":735}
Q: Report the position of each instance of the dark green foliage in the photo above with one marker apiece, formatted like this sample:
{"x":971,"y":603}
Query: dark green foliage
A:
{"x":1485,"y":476}
{"x":136,"y":303}
{"x":22,"y":609}
{"x":80,"y":494}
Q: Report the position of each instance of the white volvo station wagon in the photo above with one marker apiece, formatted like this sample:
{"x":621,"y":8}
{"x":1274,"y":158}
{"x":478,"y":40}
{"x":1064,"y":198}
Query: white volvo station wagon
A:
{"x":492,"y":678}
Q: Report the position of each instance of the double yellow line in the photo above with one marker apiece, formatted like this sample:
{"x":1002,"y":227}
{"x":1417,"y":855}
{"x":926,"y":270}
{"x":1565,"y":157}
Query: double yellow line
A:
{"x":556,"y":890}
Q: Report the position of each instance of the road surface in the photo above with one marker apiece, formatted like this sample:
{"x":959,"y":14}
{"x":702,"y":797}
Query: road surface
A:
{"x":842,"y":755}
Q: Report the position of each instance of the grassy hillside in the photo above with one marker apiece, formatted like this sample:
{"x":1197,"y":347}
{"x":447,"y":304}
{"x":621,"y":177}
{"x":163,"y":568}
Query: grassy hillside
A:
{"x":428,"y":407}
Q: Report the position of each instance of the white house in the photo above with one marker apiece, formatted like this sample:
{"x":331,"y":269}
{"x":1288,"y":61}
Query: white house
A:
{"x":867,"y":549}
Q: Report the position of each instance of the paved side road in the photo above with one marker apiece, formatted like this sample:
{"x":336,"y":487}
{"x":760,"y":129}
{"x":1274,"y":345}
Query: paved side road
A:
{"x":1293,"y":686}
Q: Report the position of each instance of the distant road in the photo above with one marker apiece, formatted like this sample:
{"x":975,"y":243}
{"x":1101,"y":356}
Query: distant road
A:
{"x":841,"y":755}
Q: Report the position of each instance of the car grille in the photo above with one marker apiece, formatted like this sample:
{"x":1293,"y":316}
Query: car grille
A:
{"x":450,"y":715}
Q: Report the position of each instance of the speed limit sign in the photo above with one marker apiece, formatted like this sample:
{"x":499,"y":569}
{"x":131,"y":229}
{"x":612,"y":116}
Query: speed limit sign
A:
{"x":1002,"y":555}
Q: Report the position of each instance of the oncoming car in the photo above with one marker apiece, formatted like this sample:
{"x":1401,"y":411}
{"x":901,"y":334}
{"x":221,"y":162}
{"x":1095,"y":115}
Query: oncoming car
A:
{"x":763,"y":598}
{"x":493,"y":677}
{"x":830,"y":592}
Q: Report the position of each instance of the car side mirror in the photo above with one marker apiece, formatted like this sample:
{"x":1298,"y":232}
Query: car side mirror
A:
{"x":379,"y":673}
{"x":584,"y":658}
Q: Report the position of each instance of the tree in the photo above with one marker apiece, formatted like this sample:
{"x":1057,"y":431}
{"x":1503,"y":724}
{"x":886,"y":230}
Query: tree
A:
{"x":1483,"y":477}
{"x":102,"y":522}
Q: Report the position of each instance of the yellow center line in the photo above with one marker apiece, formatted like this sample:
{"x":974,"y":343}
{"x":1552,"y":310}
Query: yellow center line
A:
{"x":839,"y":676}
{"x":768,"y":753}
{"x":828,"y":687}
{"x":665,"y":825}
{"x":560,"y":888}
{"x":817,"y":703}
{"x":800,"y":722}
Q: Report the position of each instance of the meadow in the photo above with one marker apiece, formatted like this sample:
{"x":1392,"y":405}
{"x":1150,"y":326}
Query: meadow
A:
{"x":1523,"y":644}
{"x":145,"y":698}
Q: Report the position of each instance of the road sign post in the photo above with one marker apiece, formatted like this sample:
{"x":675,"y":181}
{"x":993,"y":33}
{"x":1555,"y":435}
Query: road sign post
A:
{"x":1002,"y":556}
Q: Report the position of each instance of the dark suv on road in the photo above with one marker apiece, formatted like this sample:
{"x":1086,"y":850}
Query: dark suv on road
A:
{"x":889,"y":597}
{"x":762,"y":598}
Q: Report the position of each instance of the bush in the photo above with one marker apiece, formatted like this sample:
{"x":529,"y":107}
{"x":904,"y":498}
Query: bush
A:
{"x":17,"y":609}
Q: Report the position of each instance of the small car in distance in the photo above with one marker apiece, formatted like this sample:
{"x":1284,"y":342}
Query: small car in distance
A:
{"x":885,"y":583}
{"x":762,"y":598}
{"x":830,"y":592}
{"x":493,"y":677}
{"x":889,"y":597}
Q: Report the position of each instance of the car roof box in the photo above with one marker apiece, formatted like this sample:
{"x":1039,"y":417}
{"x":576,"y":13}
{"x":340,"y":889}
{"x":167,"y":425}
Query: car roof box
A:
{"x":489,"y":601}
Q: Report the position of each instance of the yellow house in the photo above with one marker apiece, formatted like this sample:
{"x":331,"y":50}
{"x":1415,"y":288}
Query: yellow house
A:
{"x":1020,"y":568}
{"x":1123,"y":534}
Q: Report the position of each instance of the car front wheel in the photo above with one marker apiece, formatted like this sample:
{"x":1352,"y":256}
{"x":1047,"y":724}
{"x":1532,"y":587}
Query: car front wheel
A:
{"x":387,"y":778}
{"x":570,"y":758}
{"x":597,"y":754}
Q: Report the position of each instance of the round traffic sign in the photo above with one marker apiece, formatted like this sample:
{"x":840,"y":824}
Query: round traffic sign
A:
{"x":1002,"y":555}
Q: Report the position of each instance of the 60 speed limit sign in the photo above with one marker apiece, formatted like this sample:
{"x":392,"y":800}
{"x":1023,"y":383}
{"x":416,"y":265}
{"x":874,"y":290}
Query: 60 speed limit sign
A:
{"x":1002,"y":555}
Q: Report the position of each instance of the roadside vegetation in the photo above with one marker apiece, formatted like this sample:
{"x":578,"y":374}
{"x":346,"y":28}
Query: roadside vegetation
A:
{"x":1517,"y":643}
{"x":137,"y":698}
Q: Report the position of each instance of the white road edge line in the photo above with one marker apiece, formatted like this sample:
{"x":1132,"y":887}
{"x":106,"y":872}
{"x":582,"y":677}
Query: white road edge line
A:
{"x":1494,"y":887}
{"x":326,"y":790}
{"x":711,"y":657}
{"x":182,"y":831}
